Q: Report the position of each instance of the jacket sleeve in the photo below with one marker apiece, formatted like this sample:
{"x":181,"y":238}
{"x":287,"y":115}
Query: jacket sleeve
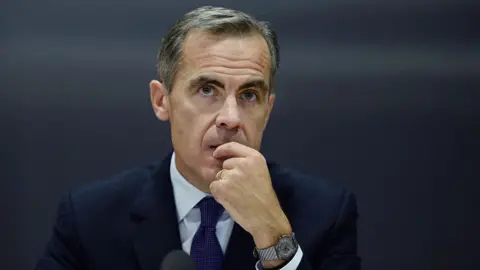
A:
{"x":341,"y":244}
{"x":342,"y":241}
{"x":63,"y":251}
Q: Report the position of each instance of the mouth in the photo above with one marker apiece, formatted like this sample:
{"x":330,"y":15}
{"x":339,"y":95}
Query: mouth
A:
{"x":213,"y":147}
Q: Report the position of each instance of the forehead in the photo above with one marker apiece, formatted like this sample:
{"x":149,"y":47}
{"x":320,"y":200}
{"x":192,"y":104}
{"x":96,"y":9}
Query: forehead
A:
{"x":233,"y":55}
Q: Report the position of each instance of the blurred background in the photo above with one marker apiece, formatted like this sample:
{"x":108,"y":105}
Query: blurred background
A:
{"x":379,"y":96}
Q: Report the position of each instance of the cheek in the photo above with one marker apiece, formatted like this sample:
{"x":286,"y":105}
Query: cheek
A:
{"x":180,"y":124}
{"x":254,"y":127}
{"x":191,"y":119}
{"x":258,"y":119}
{"x":192,"y":126}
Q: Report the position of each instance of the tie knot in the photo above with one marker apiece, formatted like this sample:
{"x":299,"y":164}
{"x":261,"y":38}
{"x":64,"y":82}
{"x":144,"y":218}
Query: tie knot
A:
{"x":210,"y":211}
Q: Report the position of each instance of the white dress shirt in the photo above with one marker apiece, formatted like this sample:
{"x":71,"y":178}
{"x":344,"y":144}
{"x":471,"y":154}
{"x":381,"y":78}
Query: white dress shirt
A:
{"x":186,"y":198}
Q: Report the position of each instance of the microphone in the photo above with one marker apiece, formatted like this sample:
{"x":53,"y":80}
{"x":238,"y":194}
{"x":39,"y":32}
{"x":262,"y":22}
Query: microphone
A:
{"x":177,"y":260}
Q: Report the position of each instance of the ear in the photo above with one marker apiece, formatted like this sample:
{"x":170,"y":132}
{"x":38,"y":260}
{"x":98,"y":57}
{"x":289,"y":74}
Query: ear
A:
{"x":160,"y":100}
{"x":271,"y":100}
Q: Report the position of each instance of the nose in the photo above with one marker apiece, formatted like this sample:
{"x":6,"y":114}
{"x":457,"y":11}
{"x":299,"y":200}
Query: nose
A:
{"x":229,"y":115}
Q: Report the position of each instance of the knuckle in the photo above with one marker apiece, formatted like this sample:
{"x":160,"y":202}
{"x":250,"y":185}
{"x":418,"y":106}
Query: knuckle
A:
{"x":213,"y":187}
{"x":244,"y":162}
{"x":234,"y":174}
{"x":216,"y":186}
{"x":228,"y":163}
{"x":259,"y":158}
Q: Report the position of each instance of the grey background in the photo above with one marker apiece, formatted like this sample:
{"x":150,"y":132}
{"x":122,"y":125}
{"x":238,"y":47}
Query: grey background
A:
{"x":379,"y":96}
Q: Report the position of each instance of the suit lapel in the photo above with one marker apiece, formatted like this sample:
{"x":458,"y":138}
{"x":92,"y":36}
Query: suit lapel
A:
{"x":154,"y":210}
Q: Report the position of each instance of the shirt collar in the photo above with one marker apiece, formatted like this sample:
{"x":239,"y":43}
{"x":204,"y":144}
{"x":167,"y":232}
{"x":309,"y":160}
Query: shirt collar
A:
{"x":186,"y":195}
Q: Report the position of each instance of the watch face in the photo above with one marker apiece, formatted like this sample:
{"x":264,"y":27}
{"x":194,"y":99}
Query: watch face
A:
{"x":285,"y":248}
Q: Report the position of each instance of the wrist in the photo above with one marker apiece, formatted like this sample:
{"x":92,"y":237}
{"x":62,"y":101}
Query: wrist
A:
{"x":268,"y":237}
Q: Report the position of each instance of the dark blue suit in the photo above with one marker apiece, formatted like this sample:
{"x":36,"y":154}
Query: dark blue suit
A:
{"x":129,"y":222}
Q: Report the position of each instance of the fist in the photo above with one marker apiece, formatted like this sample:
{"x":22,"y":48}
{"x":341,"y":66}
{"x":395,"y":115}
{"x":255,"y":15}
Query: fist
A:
{"x":244,"y":188}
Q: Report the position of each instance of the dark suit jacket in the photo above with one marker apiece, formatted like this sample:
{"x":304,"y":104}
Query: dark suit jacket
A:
{"x":129,"y":222}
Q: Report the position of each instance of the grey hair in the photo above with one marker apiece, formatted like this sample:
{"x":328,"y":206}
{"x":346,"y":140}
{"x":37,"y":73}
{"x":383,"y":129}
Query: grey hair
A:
{"x":217,"y":21}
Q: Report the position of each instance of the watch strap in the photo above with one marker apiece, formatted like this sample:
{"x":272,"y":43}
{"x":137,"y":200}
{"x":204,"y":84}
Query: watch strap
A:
{"x":271,"y":253}
{"x":267,"y":254}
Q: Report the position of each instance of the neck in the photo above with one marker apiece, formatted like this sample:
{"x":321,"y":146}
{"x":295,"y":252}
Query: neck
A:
{"x":191,"y":176}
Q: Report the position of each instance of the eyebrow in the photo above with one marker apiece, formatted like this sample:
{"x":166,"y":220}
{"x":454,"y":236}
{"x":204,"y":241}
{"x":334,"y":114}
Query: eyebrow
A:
{"x":254,"y":83}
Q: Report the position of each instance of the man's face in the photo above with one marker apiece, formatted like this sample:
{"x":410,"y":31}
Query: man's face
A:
{"x":220,"y":94}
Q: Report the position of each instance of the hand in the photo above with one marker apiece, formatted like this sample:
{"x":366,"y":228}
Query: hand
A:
{"x":245,"y":190}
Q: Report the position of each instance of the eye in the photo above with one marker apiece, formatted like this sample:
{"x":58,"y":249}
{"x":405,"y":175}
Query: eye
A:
{"x":249,"y":95}
{"x":206,"y":91}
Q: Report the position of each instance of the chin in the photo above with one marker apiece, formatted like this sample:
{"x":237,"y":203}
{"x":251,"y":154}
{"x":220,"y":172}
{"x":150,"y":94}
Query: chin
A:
{"x":208,"y":175}
{"x":213,"y":166}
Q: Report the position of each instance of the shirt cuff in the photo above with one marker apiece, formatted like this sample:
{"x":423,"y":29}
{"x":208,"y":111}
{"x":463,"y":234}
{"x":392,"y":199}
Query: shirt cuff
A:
{"x":291,"y":265}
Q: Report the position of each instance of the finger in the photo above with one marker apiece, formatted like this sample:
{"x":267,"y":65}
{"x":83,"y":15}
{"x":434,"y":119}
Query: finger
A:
{"x":233,"y":163}
{"x":219,"y":174}
{"x":222,"y":174}
{"x":219,"y":188}
{"x":233,"y":149}
{"x":222,"y":192}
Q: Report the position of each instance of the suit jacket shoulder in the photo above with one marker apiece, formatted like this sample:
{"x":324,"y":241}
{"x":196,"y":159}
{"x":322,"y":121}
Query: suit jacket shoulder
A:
{"x":113,"y":193}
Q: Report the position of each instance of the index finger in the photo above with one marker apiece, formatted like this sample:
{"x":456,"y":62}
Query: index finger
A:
{"x":233,"y":149}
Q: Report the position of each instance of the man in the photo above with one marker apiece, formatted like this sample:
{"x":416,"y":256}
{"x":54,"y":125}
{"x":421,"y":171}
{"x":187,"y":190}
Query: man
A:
{"x":215,"y":196}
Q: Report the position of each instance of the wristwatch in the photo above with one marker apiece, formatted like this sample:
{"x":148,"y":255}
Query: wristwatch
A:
{"x":284,"y":249}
